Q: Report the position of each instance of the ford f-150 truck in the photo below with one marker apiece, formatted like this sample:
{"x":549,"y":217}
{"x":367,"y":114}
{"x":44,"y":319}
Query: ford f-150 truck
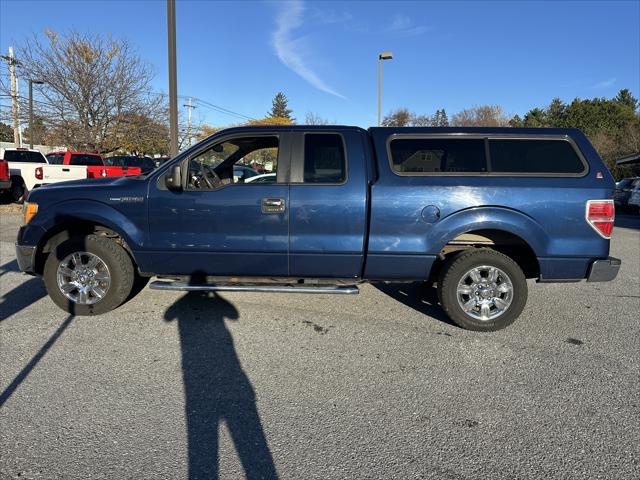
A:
{"x":476,"y":210}
{"x":29,"y":169}
{"x":96,"y":167}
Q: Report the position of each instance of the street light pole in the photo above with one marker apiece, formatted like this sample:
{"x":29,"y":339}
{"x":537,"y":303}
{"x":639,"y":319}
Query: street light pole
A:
{"x":381,"y":57}
{"x":31,"y":129}
{"x":173,"y":78}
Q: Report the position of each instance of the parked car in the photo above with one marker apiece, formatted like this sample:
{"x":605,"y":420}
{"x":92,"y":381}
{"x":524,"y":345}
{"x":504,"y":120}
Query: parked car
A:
{"x":622,"y":192}
{"x":477,"y":210}
{"x":634,"y":199}
{"x":242,"y":173}
{"x":5,"y":178}
{"x":146,"y":164}
{"x":262,"y":178}
{"x":29,"y":169}
{"x":96,"y":167}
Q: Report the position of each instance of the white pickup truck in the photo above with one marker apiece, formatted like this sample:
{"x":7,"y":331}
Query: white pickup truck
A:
{"x":29,"y":169}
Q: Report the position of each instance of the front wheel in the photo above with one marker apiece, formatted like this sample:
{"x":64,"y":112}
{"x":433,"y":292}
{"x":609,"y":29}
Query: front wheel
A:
{"x":482,"y":290}
{"x":89,"y":275}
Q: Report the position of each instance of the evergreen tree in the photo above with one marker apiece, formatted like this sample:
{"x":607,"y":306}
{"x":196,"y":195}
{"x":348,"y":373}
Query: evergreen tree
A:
{"x":279,"y":107}
{"x":626,"y":98}
{"x":440,"y":119}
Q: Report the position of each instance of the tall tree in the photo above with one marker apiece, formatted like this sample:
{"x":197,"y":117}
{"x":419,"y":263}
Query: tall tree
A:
{"x":440,"y":119}
{"x":280,"y":107}
{"x":92,"y":82}
{"x":626,"y":98}
{"x":6,"y":133}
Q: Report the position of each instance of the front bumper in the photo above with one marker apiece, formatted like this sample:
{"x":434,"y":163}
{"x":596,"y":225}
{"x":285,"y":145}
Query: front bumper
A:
{"x":26,"y":256}
{"x":604,"y":270}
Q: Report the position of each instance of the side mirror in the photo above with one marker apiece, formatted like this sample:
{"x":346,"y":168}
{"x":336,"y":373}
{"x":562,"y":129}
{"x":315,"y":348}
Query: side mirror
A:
{"x":174,"y":180}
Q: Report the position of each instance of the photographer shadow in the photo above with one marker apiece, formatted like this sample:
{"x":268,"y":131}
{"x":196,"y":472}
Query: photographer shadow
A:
{"x":217,"y":389}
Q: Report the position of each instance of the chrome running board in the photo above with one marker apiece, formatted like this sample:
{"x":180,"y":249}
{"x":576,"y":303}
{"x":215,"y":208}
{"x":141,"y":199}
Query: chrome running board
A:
{"x":212,"y":287}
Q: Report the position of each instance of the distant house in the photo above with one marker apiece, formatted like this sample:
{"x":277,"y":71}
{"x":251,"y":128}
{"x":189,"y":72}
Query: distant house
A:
{"x":631,"y":160}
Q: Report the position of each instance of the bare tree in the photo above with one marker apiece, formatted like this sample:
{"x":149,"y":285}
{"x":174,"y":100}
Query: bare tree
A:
{"x":481,"y":116}
{"x":315,"y":119}
{"x":93,"y":85}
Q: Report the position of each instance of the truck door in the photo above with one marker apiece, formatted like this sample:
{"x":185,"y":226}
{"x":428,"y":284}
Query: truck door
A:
{"x":232,"y":218}
{"x":328,"y":204}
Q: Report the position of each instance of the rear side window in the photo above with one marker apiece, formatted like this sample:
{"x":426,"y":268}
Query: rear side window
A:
{"x":324,"y":158}
{"x":89,"y":160}
{"x":438,"y":155}
{"x":55,"y":159}
{"x":534,"y":156}
{"x":23,"y":156}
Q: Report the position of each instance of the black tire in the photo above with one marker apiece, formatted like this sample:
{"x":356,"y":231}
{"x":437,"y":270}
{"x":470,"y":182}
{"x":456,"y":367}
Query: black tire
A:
{"x":113,"y":255}
{"x":18,"y":191}
{"x":456,"y":267}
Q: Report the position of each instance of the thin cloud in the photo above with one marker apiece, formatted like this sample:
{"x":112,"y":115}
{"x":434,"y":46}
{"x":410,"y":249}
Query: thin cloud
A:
{"x":293,"y":52}
{"x":604,"y":84}
{"x":403,"y":25}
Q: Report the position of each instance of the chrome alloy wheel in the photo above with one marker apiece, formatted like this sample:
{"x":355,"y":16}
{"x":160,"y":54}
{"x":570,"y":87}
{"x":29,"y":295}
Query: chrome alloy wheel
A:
{"x":83,"y":278}
{"x":485,"y":292}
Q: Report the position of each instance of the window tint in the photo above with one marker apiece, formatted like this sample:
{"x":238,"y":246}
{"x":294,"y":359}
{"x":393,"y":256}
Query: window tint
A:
{"x":83,"y":159}
{"x":23,"y":156}
{"x":534,"y":156}
{"x":35,"y":157}
{"x":432,"y":155}
{"x":55,"y":159}
{"x":324,"y":160}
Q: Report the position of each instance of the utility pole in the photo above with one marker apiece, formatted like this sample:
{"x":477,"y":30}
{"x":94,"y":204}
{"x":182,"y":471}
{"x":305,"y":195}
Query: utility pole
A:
{"x":11,"y":60}
{"x":32,"y":128}
{"x":173,"y":78}
{"x":190,"y":106}
{"x":381,"y":57}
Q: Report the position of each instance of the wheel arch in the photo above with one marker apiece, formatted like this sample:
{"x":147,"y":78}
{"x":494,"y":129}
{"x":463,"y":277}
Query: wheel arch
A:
{"x":94,"y":220}
{"x":507,"y":231}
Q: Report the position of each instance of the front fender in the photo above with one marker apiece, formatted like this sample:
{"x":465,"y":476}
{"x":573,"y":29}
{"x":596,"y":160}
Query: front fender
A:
{"x":90,"y":211}
{"x":489,"y":218}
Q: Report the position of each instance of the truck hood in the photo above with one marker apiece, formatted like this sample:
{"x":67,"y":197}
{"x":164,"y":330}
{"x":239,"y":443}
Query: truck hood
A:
{"x":98,"y":189}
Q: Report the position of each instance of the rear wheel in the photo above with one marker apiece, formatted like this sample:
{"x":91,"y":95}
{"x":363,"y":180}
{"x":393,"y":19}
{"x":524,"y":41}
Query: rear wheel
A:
{"x":18,"y":190}
{"x":482,"y":290}
{"x":89,"y":275}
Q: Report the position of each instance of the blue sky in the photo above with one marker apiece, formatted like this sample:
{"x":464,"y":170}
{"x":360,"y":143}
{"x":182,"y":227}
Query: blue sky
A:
{"x":323,"y":55}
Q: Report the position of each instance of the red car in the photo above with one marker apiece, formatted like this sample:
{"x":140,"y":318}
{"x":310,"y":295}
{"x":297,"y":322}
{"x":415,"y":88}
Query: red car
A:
{"x":5,"y":178}
{"x":94,"y":163}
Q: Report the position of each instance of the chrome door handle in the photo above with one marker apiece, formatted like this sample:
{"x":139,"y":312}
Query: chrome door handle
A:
{"x":273,"y":205}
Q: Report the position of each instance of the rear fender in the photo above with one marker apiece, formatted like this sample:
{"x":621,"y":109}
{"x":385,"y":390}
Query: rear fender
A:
{"x":489,"y":218}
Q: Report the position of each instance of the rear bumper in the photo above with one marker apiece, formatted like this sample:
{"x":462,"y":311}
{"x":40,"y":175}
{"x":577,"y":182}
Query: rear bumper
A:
{"x":26,"y":257}
{"x":4,"y":184}
{"x":604,"y":270}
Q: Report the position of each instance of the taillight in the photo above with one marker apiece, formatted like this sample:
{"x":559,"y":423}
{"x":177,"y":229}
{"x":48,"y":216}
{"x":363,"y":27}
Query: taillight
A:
{"x":103,"y":172}
{"x":39,"y":174}
{"x":600,"y":215}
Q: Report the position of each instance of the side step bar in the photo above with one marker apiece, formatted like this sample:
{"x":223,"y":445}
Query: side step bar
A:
{"x":211,"y":287}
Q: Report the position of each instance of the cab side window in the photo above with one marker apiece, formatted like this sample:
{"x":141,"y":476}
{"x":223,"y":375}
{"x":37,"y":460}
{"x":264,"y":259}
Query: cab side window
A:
{"x":324,"y":158}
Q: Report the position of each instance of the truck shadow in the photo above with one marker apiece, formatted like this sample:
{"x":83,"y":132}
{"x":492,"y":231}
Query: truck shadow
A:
{"x":417,"y":295}
{"x":216,"y":389}
{"x":21,"y":296}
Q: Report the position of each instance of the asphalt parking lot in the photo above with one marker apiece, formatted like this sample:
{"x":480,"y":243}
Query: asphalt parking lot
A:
{"x":376,"y":385}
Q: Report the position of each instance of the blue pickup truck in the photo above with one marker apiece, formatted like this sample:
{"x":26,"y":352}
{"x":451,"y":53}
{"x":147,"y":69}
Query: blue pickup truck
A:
{"x":475,"y":210}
